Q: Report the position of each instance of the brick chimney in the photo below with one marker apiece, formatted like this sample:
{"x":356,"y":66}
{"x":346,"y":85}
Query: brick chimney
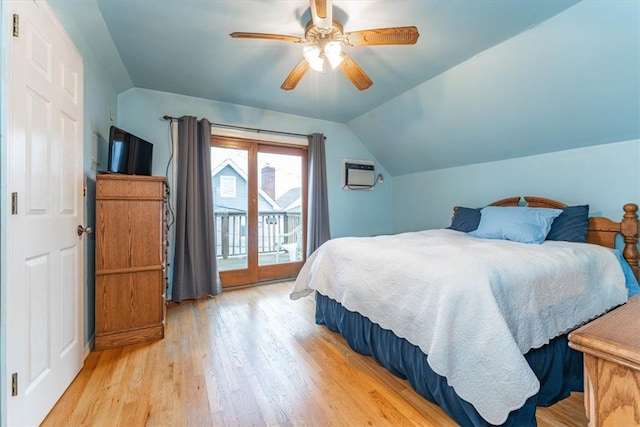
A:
{"x":269,"y":181}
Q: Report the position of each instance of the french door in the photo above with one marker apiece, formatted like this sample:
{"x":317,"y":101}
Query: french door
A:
{"x":259,"y":195}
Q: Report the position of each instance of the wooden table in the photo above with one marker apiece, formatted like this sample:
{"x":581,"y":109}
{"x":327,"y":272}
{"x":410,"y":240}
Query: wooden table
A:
{"x":611,"y":347}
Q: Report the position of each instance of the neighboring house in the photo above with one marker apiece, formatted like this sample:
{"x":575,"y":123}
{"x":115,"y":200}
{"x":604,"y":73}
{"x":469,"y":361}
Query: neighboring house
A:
{"x":230,"y":191}
{"x":229,"y":183}
{"x":291,"y":201}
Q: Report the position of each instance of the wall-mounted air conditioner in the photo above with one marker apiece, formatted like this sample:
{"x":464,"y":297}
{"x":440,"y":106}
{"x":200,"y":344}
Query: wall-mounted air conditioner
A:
{"x":358,"y":174}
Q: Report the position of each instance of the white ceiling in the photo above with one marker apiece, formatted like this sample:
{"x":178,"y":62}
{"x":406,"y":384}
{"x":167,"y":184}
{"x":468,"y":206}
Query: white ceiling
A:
{"x":405,"y":119}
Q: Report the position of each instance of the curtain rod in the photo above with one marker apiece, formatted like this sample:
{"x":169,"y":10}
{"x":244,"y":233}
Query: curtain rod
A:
{"x":256,"y":130}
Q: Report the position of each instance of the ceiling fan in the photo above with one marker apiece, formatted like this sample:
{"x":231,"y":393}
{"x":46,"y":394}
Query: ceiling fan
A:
{"x":323,"y":40}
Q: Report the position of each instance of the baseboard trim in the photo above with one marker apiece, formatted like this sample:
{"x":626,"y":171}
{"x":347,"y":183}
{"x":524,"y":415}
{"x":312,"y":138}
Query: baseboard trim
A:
{"x":88,"y":346}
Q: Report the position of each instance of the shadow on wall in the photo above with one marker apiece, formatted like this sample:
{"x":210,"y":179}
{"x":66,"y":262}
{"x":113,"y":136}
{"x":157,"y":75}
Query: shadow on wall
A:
{"x":90,"y":257}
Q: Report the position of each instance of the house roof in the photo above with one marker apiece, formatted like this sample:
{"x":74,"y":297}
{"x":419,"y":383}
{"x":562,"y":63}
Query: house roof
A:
{"x":290,"y":199}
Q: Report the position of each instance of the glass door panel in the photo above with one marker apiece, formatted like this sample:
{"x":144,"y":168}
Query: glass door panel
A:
{"x":280,"y":220}
{"x":229,"y":168}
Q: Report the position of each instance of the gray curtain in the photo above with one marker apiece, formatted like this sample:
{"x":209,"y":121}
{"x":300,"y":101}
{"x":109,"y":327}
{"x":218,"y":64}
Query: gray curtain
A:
{"x":318,"y":206}
{"x":195,"y":272}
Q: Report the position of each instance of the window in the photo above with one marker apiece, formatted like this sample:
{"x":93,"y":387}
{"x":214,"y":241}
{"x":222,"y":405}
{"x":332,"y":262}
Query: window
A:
{"x":227,"y":186}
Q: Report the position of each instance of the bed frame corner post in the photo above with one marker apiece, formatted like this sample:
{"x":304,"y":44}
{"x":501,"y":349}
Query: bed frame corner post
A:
{"x":629,"y":230}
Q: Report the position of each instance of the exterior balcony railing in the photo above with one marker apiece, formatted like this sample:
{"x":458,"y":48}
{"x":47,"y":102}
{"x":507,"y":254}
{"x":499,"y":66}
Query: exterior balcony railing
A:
{"x":275,"y":229}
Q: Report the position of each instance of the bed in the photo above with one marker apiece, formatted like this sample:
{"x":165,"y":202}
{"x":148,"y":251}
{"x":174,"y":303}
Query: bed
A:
{"x":491,"y":345}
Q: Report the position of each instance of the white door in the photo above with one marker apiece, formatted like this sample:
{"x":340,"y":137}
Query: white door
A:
{"x":45,"y":184}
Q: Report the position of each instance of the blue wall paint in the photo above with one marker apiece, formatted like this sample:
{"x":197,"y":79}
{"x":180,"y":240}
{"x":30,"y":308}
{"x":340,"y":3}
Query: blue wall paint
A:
{"x":99,"y":105}
{"x":605,"y":177}
{"x":351,"y":213}
{"x":572,"y":81}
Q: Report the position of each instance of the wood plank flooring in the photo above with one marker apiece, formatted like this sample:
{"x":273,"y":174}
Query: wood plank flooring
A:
{"x":251,"y":357}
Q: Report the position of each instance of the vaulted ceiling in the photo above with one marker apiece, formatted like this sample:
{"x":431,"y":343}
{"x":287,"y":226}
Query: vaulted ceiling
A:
{"x":482,"y":77}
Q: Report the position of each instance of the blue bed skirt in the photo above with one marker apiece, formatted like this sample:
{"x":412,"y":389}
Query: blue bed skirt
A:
{"x":558,"y":367}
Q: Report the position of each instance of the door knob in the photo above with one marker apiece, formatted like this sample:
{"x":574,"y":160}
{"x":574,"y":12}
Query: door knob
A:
{"x":81,"y":229}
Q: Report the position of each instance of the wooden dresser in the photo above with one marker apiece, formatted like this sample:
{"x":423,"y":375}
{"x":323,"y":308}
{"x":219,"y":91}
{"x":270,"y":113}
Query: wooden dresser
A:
{"x":611,"y":347}
{"x":130,"y":259}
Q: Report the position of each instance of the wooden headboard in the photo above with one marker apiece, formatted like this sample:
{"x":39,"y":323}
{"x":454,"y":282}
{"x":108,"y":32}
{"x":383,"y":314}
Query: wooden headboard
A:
{"x":602,"y":231}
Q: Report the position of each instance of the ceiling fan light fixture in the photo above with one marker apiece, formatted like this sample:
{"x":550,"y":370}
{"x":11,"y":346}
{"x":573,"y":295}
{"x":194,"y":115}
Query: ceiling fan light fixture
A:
{"x":333,"y":52}
{"x":322,"y":45}
{"x":314,"y":56}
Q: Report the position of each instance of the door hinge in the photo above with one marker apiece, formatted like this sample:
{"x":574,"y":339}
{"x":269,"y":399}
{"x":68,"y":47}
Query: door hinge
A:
{"x":16,"y":25}
{"x":14,"y":203}
{"x":14,"y":384}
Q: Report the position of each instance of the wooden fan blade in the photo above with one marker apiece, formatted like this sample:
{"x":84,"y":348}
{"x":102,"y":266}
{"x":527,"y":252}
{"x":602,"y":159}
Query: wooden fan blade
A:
{"x":322,"y":13}
{"x":281,"y":37}
{"x":295,"y":75}
{"x":321,"y":8}
{"x":354,"y":73}
{"x":381,"y":36}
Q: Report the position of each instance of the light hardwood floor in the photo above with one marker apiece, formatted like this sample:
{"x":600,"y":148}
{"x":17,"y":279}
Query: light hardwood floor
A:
{"x":251,"y":357}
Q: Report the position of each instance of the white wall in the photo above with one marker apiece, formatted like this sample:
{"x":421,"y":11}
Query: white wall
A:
{"x":604,"y":176}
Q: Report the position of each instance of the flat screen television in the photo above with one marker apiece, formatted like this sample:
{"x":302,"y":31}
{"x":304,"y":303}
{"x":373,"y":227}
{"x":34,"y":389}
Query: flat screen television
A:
{"x":129,"y":154}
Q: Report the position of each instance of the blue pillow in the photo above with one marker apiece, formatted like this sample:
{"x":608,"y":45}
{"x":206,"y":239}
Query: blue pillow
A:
{"x":572,"y":225}
{"x":630,"y":280}
{"x":520,"y":224}
{"x":465,"y":219}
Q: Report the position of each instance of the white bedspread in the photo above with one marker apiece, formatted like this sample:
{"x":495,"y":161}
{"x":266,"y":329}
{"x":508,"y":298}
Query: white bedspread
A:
{"x":474,"y":306}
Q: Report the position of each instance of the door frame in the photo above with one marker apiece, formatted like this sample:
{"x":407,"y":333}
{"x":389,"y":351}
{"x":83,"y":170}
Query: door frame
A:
{"x":4,"y":59}
{"x":255,"y":273}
